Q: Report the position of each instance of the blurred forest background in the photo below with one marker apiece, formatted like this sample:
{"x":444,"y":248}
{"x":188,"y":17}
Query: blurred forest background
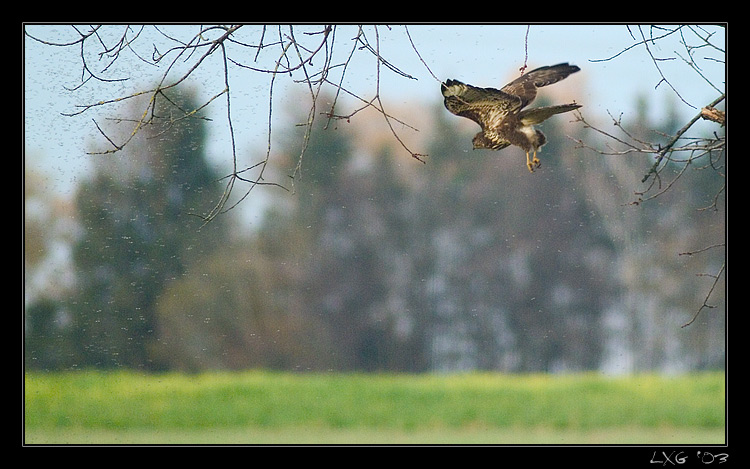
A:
{"x":375,"y":262}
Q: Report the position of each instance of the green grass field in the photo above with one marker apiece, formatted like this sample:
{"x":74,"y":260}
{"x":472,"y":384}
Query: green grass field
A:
{"x":280,"y":408}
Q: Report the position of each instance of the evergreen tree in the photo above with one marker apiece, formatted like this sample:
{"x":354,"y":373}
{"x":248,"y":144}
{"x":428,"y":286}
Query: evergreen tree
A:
{"x":509,"y":285}
{"x":140,"y":234}
{"x":466,"y":263}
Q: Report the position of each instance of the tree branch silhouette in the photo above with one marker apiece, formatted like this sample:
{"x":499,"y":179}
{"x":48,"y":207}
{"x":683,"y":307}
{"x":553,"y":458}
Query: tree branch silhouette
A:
{"x":684,"y":148}
{"x":294,"y":50}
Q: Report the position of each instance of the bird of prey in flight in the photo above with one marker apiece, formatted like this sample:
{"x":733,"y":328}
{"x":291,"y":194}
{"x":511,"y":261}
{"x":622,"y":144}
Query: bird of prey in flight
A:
{"x":501,"y":113}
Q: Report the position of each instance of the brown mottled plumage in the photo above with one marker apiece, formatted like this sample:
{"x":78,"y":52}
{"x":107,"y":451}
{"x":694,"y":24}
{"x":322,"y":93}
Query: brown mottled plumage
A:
{"x":501,"y":113}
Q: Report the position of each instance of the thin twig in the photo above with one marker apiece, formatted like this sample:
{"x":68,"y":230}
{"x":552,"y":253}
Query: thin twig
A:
{"x":705,"y":304}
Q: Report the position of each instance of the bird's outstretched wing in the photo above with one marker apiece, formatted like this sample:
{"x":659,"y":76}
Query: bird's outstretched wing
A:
{"x":485,"y":106}
{"x":525,"y":86}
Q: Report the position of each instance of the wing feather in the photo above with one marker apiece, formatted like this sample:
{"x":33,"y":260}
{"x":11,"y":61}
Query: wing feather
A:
{"x":526,"y":85}
{"x":485,"y":106}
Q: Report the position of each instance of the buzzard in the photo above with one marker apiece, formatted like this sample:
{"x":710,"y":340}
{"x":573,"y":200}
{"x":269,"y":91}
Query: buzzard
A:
{"x":501,"y":113}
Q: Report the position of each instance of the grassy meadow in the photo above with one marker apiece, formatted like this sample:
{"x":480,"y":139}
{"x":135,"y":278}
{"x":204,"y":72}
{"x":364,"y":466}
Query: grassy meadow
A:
{"x":258,"y":407}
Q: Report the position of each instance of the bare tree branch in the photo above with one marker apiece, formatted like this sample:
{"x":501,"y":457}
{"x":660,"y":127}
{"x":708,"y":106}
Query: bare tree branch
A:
{"x":705,"y":304}
{"x":716,"y":278}
{"x":669,"y":146}
{"x":682,"y":149}
{"x":309,"y":53}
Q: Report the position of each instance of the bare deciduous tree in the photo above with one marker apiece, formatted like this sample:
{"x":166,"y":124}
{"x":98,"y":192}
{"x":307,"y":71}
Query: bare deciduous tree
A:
{"x":278,"y":51}
{"x":686,"y":148}
{"x":710,"y":150}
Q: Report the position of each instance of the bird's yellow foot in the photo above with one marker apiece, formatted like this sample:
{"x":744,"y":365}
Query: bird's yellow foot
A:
{"x":532,"y":164}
